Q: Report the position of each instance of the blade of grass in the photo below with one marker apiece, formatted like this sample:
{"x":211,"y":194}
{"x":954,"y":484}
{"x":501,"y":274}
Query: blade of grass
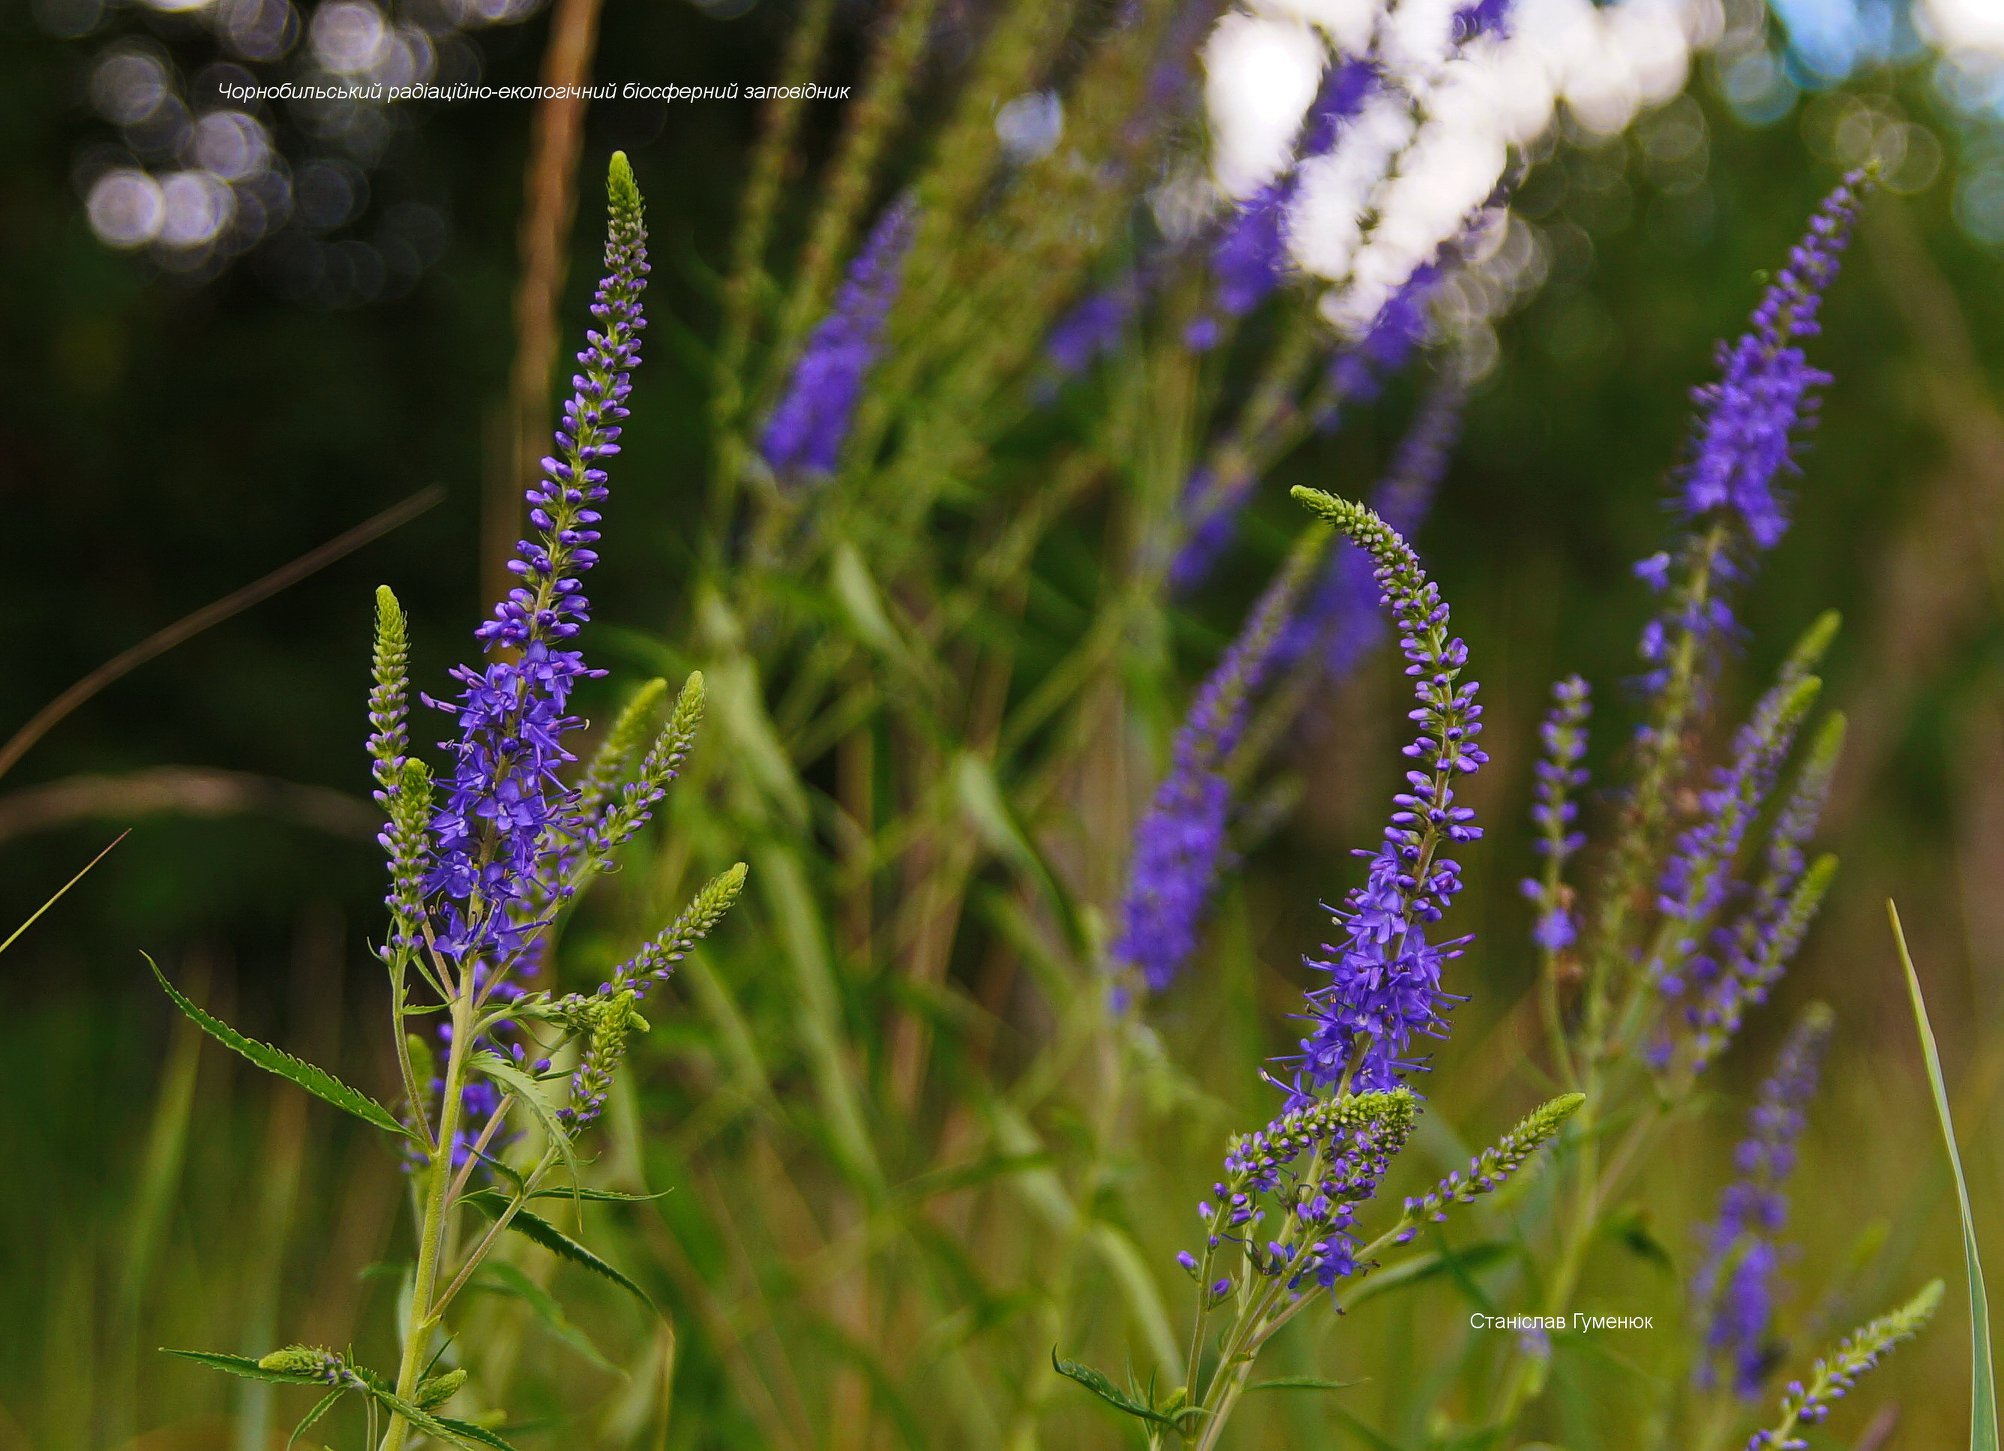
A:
{"x":1983,"y":1381}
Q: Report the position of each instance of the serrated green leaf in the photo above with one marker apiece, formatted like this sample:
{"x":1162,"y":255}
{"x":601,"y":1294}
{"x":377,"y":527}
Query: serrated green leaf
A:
{"x":524,"y":1088}
{"x":589,"y":1196}
{"x":479,"y":1435}
{"x":325,"y":1404}
{"x":1983,"y":1425}
{"x":462,"y":1433}
{"x":546,"y":1234}
{"x":502,"y":1278}
{"x":245,"y":1366}
{"x":316,"y":1081}
{"x":1107,"y":1391}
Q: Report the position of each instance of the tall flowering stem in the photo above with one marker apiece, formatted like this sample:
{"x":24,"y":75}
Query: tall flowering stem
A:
{"x":1747,"y":427}
{"x":1385,"y":976}
{"x":505,"y":811}
{"x":1179,"y":845}
{"x":1735,"y":1283}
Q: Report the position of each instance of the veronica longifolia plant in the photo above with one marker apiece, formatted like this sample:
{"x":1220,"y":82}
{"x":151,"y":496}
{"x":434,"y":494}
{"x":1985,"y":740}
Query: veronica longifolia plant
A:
{"x":483,"y":861}
{"x":1280,"y":1227}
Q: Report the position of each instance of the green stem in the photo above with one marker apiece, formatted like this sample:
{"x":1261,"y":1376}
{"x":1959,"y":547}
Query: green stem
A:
{"x":431,"y":1231}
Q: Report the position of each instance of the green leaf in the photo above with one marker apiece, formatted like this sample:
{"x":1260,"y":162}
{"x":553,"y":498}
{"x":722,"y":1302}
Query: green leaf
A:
{"x":467,"y":1431}
{"x":526,"y":1093}
{"x":1432,"y":1265}
{"x":589,"y":1196}
{"x":325,"y":1404}
{"x":546,"y":1234}
{"x":463,"y":1433}
{"x":243,"y":1365}
{"x":502,"y":1278}
{"x":1302,"y":1383}
{"x":1107,"y":1391}
{"x":1983,"y":1427}
{"x":316,"y":1081}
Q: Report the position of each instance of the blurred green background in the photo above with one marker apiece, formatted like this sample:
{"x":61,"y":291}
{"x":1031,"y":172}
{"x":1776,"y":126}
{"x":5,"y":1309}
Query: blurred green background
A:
{"x":164,"y":439}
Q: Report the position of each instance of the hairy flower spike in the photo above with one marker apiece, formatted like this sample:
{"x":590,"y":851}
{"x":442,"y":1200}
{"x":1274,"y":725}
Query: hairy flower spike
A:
{"x":1490,"y":1169}
{"x":434,"y":1391}
{"x":654,"y":962}
{"x":1699,"y":874}
{"x":506,"y":815}
{"x":1735,"y":1282}
{"x":663,"y":763}
{"x":317,"y":1361}
{"x":1836,"y":1373}
{"x":1312,"y":1165}
{"x":406,"y":841}
{"x":1385,"y":975}
{"x":1748,"y":421}
{"x":1755,"y":953}
{"x":1179,"y":844}
{"x":389,"y":697}
{"x":614,"y":757}
{"x":807,"y":430}
{"x":1556,"y":811}
{"x":606,"y":1024}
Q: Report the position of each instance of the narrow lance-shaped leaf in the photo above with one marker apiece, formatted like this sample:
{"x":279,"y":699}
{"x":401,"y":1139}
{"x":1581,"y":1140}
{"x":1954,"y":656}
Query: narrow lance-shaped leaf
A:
{"x":316,"y":1081}
{"x":1983,"y":1425}
{"x":535,"y":1227}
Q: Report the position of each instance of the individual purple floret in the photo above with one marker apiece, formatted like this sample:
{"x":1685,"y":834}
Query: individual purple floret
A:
{"x":1748,"y":421}
{"x":504,"y":813}
{"x":1341,"y":617}
{"x":1735,"y":1284}
{"x":807,"y":430}
{"x":1384,"y":977}
{"x":1556,"y":810}
{"x":1179,"y":845}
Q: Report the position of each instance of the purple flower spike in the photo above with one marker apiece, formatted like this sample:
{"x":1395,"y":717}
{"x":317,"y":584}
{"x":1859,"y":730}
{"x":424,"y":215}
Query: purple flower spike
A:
{"x":1736,"y":1281}
{"x":1384,"y":977}
{"x":505,"y":814}
{"x":807,"y":430}
{"x":1179,"y":846}
{"x":1748,"y":421}
{"x":1560,"y":778}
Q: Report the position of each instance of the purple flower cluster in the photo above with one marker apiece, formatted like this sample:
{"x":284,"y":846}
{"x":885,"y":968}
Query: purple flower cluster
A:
{"x":1385,"y":976}
{"x":1784,"y":902}
{"x":1748,"y":421}
{"x":1556,"y":810}
{"x":505,"y":814}
{"x":1179,"y":844}
{"x":811,"y":423}
{"x":1735,"y":1283}
{"x":1093,"y":328}
{"x":1347,"y":1143}
{"x":1700,"y":873}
